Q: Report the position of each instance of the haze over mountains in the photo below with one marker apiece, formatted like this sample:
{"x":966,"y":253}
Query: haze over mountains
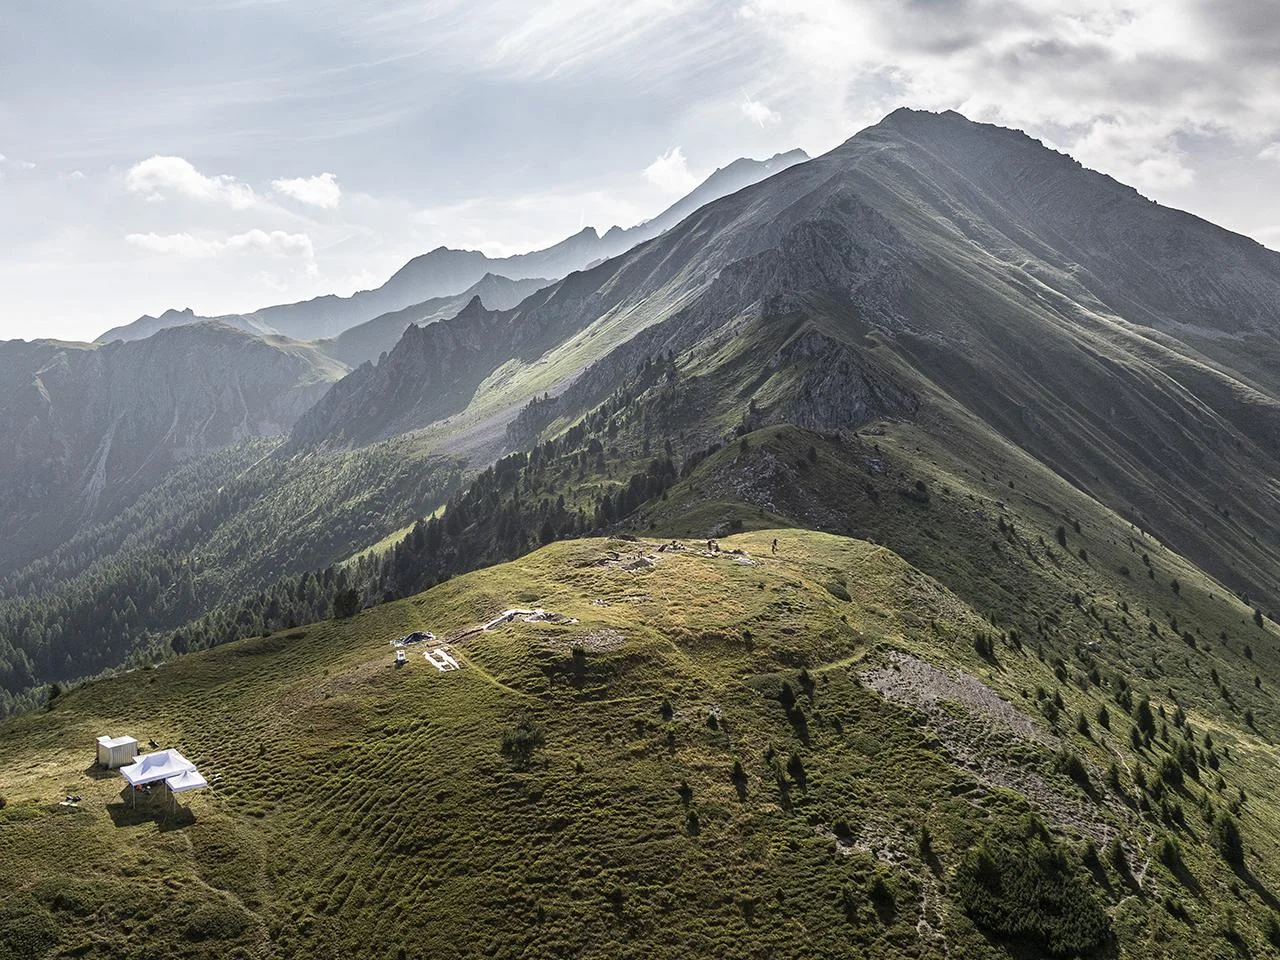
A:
{"x":446,"y":272}
{"x":94,"y":425}
{"x":90,"y":427}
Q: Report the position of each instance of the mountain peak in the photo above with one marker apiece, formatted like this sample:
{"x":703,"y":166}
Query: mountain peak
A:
{"x":913,"y":115}
{"x":474,"y":308}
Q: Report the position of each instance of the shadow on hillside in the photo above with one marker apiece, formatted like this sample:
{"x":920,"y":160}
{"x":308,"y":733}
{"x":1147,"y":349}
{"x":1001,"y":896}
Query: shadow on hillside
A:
{"x":122,"y":814}
{"x":1256,"y":885}
{"x":1185,"y":877}
{"x":95,"y":771}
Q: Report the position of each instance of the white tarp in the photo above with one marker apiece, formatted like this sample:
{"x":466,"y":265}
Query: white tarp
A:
{"x":190,"y":780}
{"x":153,"y":767}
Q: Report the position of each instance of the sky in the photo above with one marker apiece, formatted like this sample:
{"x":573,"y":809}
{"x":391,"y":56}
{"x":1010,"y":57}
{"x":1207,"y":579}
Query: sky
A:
{"x":228,"y":154}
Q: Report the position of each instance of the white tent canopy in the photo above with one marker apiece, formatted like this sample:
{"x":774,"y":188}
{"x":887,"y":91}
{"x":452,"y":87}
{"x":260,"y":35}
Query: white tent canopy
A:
{"x":154,"y":767}
{"x":188,"y":780}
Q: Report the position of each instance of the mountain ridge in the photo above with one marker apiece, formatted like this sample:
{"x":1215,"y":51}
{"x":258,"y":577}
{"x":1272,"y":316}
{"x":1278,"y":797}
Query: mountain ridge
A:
{"x":445,"y":271}
{"x":943,"y":282}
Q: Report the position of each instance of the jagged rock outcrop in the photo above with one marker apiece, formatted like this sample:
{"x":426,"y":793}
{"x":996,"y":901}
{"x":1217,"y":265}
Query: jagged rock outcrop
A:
{"x":368,"y":341}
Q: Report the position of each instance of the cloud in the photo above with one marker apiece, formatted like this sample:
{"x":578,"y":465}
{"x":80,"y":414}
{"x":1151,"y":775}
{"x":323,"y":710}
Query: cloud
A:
{"x":1125,"y":82}
{"x":1144,"y":156}
{"x":276,"y":243}
{"x":321,"y":190}
{"x":1271,"y":152}
{"x":758,"y":113}
{"x":670,"y":172}
{"x":158,"y":176}
{"x":643,"y":42}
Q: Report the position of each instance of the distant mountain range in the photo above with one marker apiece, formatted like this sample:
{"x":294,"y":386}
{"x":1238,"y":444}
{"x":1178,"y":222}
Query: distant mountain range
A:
{"x":367,"y":341}
{"x":94,"y":425}
{"x":445,"y":272}
{"x":958,"y":276}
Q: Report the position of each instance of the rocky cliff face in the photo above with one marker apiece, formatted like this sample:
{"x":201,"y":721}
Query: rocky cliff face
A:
{"x":368,"y":341}
{"x":90,"y":428}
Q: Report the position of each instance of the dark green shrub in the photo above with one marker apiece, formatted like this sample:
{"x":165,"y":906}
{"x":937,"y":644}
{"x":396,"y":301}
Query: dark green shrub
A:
{"x":1071,"y":765}
{"x":1116,"y":856}
{"x":346,"y":603}
{"x":1029,"y":891}
{"x":1169,"y":852}
{"x":1170,"y":772}
{"x":1271,"y":930}
{"x":1145,"y":718}
{"x":1226,"y":837}
{"x":521,"y":741}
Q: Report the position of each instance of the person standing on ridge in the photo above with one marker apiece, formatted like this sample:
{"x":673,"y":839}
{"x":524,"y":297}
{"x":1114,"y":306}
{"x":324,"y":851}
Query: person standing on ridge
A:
{"x":775,"y":545}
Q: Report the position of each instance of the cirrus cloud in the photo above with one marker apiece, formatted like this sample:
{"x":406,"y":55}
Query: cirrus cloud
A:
{"x":758,"y":113}
{"x":276,"y":243}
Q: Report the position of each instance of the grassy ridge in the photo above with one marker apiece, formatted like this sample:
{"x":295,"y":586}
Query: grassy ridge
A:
{"x":364,"y":810}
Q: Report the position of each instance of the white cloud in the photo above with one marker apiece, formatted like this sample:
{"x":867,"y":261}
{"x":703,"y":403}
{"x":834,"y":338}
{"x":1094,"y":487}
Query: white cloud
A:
{"x":640,"y":40}
{"x":276,"y":243}
{"x":670,"y":172}
{"x":321,"y":190}
{"x":758,"y":113}
{"x":364,"y":280}
{"x":158,"y":176}
{"x":1123,"y":84}
{"x":1144,"y":156}
{"x":1271,"y":152}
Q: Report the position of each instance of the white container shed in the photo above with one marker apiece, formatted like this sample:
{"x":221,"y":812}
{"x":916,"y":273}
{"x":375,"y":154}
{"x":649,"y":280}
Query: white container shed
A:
{"x":116,"y":751}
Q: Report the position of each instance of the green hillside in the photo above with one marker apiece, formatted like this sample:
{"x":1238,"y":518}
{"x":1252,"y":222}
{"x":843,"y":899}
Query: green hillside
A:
{"x":218,"y":539}
{"x":819,"y":752}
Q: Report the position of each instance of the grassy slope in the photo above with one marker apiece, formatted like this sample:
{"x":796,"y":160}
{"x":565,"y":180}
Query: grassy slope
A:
{"x":367,"y":810}
{"x":237,"y":520}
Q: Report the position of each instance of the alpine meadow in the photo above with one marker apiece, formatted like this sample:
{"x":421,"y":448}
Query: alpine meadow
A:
{"x":872,"y":551}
